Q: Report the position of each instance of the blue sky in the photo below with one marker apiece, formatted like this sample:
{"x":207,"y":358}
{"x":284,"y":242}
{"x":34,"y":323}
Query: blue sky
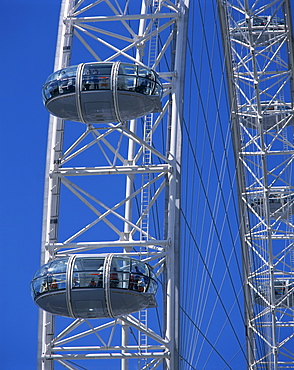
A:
{"x":28,"y":36}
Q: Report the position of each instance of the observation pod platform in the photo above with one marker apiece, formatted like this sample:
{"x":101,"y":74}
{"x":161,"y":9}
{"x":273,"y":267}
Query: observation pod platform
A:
{"x":281,"y":204}
{"x":102,"y":92}
{"x":274,"y":115}
{"x":283,"y":291}
{"x":264,"y":29}
{"x":94,"y":286}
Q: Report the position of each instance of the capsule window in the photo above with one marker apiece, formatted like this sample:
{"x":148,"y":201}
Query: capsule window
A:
{"x":95,"y":82}
{"x":56,"y":282}
{"x":146,"y":73}
{"x":104,"y":83}
{"x":98,"y":69}
{"x":121,"y":83}
{"x":130,"y":83}
{"x":42,"y":271}
{"x":157,"y":90}
{"x":88,"y":273}
{"x":76,"y":280}
{"x":89,"y":279}
{"x":139,"y":278}
{"x":259,"y":21}
{"x":66,"y":81}
{"x":278,"y":21}
{"x":116,"y":277}
{"x":96,"y":77}
{"x":280,"y":289}
{"x":48,"y":283}
{"x":274,"y":198}
{"x":38,"y":286}
{"x":89,"y":80}
{"x":152,"y":286}
{"x":140,"y":268}
{"x":121,"y":267}
{"x":60,"y":82}
{"x":52,"y":77}
{"x":129,"y":70}
{"x":88,"y":264}
{"x":58,"y":266}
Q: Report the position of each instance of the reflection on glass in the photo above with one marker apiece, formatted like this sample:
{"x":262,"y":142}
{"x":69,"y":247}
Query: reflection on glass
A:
{"x":125,"y":273}
{"x":97,"y":76}
{"x":126,"y":69}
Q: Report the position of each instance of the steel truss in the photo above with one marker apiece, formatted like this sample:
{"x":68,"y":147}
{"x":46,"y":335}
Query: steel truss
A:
{"x":258,"y":46}
{"x":97,"y":177}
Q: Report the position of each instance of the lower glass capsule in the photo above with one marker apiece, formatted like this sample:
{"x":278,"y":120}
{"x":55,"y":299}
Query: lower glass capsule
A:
{"x":102,"y":92}
{"x":94,"y":286}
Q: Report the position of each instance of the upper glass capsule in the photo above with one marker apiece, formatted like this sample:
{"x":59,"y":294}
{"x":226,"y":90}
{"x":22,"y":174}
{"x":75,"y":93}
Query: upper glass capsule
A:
{"x":94,"y":286}
{"x":264,"y":29}
{"x":281,"y":204}
{"x":283,"y":293}
{"x":102,"y":92}
{"x":274,"y":115}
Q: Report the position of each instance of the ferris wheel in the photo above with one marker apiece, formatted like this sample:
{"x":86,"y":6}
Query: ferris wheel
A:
{"x":112,"y":172}
{"x":258,"y":46}
{"x":117,"y":281}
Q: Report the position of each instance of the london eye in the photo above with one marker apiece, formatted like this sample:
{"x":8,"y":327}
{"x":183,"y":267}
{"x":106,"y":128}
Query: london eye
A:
{"x":167,"y":238}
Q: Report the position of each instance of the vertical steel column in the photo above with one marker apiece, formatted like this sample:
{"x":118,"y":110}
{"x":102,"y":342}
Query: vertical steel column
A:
{"x":130,"y":181}
{"x":52,"y":185}
{"x":257,"y":43}
{"x":173,"y":255}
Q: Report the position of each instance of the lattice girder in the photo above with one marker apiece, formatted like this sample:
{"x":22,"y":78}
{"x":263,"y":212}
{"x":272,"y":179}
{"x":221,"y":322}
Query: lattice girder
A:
{"x":257,"y":42}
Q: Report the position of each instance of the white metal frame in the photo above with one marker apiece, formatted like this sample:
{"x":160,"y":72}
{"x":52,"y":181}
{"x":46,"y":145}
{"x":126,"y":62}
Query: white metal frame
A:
{"x":86,"y":23}
{"x":260,"y":68}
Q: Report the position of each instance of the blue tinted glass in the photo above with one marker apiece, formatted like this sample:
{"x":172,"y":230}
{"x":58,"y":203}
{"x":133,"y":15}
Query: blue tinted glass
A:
{"x":127,"y":69}
{"x":42,"y":271}
{"x":58,"y":266}
{"x":57,"y":282}
{"x":89,"y":264}
{"x":102,"y":69}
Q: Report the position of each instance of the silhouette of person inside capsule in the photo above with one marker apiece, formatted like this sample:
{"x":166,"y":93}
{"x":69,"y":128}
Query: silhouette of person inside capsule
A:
{"x":141,"y":280}
{"x":54,"y":285}
{"x":92,"y":284}
{"x":76,"y":283}
{"x":52,"y":89}
{"x":131,"y":282}
{"x":103,"y":83}
{"x":280,"y":289}
{"x":63,"y":82}
{"x":95,"y":79}
{"x":114,"y":278}
{"x":100,"y":276}
{"x":136,"y":279}
{"x":142,"y":88}
{"x":87,"y":83}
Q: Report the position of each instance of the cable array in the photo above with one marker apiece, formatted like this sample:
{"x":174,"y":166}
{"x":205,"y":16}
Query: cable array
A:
{"x":211,"y":264}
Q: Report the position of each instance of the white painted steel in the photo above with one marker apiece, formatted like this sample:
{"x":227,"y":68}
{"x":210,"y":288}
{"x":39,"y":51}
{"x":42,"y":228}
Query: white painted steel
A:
{"x":259,"y":62}
{"x":81,"y":22}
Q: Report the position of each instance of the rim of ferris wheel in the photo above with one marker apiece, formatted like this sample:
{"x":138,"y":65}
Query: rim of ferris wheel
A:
{"x":274,"y":114}
{"x":94,"y":286}
{"x":281,"y":203}
{"x":102,"y":92}
{"x":264,"y":29}
{"x":283,"y":292}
